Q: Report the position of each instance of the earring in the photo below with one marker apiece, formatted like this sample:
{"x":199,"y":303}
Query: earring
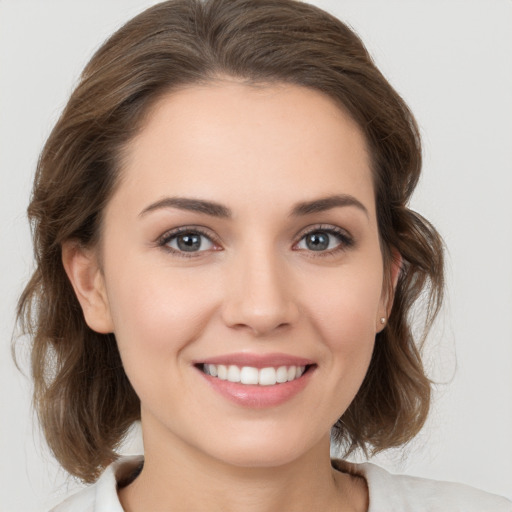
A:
{"x":382,"y":320}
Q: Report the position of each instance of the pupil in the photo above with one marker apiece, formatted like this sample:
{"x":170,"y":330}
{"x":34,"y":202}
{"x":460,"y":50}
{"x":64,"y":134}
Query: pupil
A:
{"x":189,"y":243}
{"x":317,"y":241}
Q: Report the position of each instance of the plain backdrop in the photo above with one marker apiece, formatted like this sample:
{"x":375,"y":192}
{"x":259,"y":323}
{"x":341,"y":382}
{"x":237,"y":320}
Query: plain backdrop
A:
{"x":451,"y":61}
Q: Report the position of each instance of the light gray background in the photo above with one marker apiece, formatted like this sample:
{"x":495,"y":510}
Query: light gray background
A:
{"x":451,"y":60}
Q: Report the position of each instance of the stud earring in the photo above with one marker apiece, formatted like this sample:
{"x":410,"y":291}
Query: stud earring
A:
{"x":382,"y":320}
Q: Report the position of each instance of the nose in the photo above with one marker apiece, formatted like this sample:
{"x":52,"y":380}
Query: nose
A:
{"x":259,"y":297}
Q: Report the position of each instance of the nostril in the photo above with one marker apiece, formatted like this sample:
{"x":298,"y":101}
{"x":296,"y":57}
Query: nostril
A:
{"x":260,"y":305}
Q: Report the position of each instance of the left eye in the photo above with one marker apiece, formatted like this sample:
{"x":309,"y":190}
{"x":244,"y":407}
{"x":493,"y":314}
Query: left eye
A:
{"x":320,"y":240}
{"x":189,"y":241}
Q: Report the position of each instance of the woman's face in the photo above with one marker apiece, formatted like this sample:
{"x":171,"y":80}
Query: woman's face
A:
{"x":242,"y":241}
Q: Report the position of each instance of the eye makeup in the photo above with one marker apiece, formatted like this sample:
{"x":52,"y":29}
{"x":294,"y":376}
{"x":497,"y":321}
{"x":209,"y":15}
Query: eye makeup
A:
{"x":194,"y":241}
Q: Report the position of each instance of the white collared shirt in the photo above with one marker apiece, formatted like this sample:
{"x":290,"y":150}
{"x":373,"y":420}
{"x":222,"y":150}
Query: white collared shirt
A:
{"x":388,"y":492}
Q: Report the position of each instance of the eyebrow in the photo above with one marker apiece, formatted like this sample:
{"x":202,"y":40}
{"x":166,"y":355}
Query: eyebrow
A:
{"x":326,"y":203}
{"x":218,"y":210}
{"x":189,"y":204}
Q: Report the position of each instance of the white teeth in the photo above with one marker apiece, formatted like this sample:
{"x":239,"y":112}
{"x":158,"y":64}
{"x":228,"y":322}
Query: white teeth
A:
{"x":282,"y":374}
{"x":267,"y":377}
{"x":234,"y":374}
{"x":222,"y":371}
{"x":248,"y":375}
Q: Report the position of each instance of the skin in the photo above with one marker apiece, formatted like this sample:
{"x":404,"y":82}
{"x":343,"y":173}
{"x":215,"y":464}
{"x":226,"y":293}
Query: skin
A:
{"x":254,"y":287}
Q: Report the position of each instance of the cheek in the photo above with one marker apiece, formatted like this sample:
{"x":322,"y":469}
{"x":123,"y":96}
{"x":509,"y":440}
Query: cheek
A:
{"x":157,"y":313}
{"x":346,"y":306}
{"x":343,"y":312}
{"x":156,"y":316}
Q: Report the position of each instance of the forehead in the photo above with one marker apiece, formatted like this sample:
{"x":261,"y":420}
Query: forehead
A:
{"x":230,"y":141}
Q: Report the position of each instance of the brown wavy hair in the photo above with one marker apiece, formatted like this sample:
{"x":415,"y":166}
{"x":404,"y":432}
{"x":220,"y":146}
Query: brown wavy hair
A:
{"x":84,"y":401}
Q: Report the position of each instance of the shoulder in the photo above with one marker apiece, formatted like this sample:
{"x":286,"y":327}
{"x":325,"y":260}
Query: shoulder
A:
{"x":82,"y":501}
{"x":400,"y":493}
{"x":101,"y":496}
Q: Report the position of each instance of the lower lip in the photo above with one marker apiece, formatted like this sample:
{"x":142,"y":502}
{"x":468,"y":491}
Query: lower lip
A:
{"x":258,"y":397}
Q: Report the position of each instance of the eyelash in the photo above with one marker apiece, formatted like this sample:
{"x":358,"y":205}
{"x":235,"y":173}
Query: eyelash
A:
{"x":344,"y":239}
{"x":167,"y":237}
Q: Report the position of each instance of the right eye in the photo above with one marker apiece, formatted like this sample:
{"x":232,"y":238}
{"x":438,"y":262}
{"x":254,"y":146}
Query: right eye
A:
{"x":186,"y":242}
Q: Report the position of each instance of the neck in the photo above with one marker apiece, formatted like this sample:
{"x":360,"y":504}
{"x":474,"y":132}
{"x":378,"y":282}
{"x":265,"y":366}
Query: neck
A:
{"x":184,"y":479}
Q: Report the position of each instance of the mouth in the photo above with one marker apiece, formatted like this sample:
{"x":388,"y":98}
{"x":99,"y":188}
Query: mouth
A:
{"x":253,"y":376}
{"x":257,"y":380}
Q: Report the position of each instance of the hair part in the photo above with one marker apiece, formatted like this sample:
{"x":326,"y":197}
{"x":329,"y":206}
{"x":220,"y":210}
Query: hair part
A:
{"x":83,"y":398}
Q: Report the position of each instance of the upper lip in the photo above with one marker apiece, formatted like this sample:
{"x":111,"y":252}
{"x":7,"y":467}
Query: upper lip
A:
{"x":257,"y":360}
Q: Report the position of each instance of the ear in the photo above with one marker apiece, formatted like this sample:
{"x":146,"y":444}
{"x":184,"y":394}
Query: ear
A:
{"x":388,"y":289}
{"x":83,"y":270}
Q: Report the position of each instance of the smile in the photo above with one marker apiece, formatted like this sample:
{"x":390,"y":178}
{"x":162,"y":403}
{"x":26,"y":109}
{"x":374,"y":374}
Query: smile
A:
{"x":256,"y":380}
{"x":250,"y":375}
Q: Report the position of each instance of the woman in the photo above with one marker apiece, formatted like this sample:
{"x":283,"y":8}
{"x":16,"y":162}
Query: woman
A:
{"x":225,"y":252}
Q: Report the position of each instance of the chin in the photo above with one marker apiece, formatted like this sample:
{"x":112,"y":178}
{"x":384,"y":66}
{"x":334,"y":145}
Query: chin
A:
{"x":254,"y":458}
{"x":265,"y":449}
